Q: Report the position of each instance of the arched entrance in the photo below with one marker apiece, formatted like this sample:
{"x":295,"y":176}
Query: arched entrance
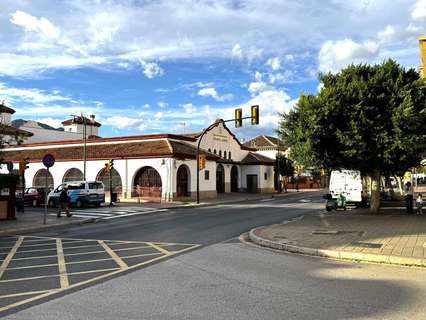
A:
{"x":104,"y":175}
{"x":220,"y":179}
{"x":182,"y":181}
{"x":39,"y":180}
{"x":147,"y":183}
{"x":73,"y":174}
{"x":234,"y":179}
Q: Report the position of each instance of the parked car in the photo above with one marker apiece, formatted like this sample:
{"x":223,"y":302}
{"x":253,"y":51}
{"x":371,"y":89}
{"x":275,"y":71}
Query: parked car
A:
{"x":32,"y":196}
{"x":81,"y":193}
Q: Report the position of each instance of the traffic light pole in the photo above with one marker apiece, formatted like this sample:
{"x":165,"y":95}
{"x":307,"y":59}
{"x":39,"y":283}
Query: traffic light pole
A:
{"x":110,"y":188}
{"x":23,"y":191}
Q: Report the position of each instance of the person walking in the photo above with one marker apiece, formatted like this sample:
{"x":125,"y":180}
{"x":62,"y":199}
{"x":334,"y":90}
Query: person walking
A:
{"x":419,"y":204}
{"x":64,"y":203}
{"x":408,"y":191}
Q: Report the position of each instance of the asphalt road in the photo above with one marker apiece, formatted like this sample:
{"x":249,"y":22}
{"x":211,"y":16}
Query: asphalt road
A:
{"x":221,"y":278}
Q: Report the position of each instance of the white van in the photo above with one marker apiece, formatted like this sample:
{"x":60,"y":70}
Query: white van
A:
{"x":81,"y":193}
{"x":346,"y":182}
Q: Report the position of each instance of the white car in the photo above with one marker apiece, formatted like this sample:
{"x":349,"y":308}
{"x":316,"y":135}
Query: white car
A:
{"x":81,"y":193}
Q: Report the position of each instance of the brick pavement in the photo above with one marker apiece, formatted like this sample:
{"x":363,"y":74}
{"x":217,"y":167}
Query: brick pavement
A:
{"x":391,"y":236}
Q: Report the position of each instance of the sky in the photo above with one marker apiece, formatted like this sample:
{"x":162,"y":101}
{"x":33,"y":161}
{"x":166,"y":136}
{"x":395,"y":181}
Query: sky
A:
{"x":165,"y":66}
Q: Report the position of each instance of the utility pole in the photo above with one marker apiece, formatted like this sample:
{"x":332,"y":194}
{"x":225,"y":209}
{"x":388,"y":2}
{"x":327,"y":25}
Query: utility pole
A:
{"x":84,"y":147}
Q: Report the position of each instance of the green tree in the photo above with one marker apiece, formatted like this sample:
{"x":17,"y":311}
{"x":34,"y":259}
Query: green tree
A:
{"x":367,"y":117}
{"x":285,"y":168}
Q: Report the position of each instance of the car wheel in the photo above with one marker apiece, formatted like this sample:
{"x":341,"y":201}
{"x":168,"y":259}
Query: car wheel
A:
{"x":52,"y":203}
{"x":328,"y":208}
{"x":79,"y":203}
{"x":34,"y":203}
{"x":97,"y":204}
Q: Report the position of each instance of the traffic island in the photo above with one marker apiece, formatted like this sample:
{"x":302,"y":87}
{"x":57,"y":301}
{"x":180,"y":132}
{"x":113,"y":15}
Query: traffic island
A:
{"x":391,"y":237}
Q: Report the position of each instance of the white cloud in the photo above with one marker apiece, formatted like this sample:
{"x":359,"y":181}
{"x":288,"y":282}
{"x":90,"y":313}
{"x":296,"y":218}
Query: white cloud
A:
{"x":189,"y":108}
{"x":34,"y":24}
{"x":237,"y":52}
{"x":419,"y":10}
{"x":211,"y":92}
{"x":31,"y":95}
{"x":151,"y":69}
{"x":335,"y":55}
{"x":55,"y":123}
{"x":158,"y":115}
{"x":258,"y":86}
{"x":123,"y":122}
{"x":274,"y":63}
{"x":162,"y":104}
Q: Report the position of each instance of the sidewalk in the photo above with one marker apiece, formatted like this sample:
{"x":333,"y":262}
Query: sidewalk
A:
{"x":31,"y":221}
{"x":389,"y":237}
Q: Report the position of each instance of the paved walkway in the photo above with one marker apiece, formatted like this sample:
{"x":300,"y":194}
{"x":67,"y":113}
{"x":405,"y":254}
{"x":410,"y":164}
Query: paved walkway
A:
{"x":389,"y":237}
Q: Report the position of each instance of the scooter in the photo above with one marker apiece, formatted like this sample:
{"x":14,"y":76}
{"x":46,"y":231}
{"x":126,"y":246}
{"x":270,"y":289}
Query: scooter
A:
{"x":335,"y":203}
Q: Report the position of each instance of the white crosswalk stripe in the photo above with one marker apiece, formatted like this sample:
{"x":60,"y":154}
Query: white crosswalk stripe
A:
{"x":108,"y":213}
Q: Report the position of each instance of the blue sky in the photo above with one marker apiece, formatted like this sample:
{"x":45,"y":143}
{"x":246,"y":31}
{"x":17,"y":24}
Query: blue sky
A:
{"x":150,"y":66}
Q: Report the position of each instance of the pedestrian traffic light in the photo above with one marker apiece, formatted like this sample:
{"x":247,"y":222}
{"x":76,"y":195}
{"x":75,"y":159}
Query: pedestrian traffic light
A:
{"x":254,"y":115}
{"x":238,"y":118}
{"x":201,"y":161}
{"x":27,"y":163}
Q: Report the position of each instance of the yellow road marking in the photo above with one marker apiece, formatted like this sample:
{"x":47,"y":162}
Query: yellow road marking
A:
{"x":142,"y":255}
{"x":24,"y":245}
{"x":61,"y":265}
{"x":29,"y":293}
{"x":113,"y":255}
{"x":34,"y":258}
{"x":22,"y":302}
{"x":34,"y":266}
{"x":9,"y":257}
{"x":159,"y":248}
{"x":37,"y":250}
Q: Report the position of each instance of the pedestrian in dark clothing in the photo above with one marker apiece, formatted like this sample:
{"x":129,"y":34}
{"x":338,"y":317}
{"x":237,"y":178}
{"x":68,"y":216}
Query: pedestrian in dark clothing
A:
{"x":297,"y":187}
{"x":408,"y":191}
{"x":64,"y":203}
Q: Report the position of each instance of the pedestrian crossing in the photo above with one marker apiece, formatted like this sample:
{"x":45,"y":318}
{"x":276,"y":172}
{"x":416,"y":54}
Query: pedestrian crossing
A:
{"x":108,"y":213}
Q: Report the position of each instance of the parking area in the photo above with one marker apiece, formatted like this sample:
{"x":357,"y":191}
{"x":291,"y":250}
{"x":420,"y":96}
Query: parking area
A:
{"x":35,"y":267}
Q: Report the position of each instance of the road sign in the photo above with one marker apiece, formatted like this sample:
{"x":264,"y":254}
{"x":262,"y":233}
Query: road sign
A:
{"x":48,"y":160}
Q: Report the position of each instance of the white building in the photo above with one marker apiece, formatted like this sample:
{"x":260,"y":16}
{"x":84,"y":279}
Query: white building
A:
{"x":267,"y":146}
{"x":10,"y":135}
{"x":160,"y":166}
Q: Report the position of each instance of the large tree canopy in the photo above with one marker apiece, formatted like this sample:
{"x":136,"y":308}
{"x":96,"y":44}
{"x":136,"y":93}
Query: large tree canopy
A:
{"x":370,"y":118}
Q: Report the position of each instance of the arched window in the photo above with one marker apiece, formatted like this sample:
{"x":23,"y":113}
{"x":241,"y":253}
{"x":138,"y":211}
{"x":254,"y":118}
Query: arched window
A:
{"x":147,"y":183}
{"x":229,"y":155}
{"x":224,"y":154}
{"x":214,"y":151}
{"x":220,"y":153}
{"x":210,"y":150}
{"x":115,"y":179}
{"x":39,"y":180}
{"x":73,"y":174}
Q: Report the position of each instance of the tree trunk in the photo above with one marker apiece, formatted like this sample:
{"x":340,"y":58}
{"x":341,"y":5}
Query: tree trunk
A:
{"x":375,"y":193}
{"x":398,"y":179}
{"x":285,"y":184}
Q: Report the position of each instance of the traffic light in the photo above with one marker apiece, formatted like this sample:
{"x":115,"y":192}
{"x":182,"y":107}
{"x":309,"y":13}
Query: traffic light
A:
{"x":254,"y":115}
{"x":24,"y":165}
{"x":238,"y":118}
{"x":201,"y":161}
{"x":109,"y":165}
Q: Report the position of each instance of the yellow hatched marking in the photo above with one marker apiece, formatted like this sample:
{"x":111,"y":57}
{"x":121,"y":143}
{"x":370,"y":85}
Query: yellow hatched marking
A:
{"x":34,"y":266}
{"x":142,"y":255}
{"x":61,"y":265}
{"x":113,"y":255}
{"x":24,"y":245}
{"x":159,"y":248}
{"x":43,"y":295}
{"x":25,"y":294}
{"x":9,"y":257}
{"x":34,"y":258}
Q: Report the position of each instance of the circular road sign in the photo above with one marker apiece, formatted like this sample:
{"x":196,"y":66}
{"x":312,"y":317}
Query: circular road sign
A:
{"x":48,"y":160}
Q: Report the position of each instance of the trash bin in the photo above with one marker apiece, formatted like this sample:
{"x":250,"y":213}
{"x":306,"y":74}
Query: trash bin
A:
{"x":114,"y":197}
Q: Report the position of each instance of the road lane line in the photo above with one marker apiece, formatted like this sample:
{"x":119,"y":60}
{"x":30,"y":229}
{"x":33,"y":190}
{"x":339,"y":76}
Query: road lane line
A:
{"x":142,"y":255}
{"x":25,"y":293}
{"x":133,"y":214}
{"x":159,"y":248}
{"x":34,"y":266}
{"x":9,"y":257}
{"x":61,"y":265}
{"x":113,"y":255}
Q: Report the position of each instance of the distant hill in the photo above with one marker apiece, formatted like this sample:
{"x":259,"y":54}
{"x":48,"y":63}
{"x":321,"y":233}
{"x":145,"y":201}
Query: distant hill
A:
{"x":21,"y":122}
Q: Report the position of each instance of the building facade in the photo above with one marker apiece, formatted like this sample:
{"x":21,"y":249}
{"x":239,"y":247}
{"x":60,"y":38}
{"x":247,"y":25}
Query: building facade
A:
{"x":159,"y":167}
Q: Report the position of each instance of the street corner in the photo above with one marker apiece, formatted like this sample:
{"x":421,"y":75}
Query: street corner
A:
{"x":36,"y":267}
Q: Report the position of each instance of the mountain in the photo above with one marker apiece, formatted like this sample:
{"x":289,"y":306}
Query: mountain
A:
{"x":18,"y":123}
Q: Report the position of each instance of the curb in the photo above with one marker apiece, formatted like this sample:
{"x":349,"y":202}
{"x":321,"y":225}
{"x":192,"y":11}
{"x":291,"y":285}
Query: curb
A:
{"x":336,"y":254}
{"x":46,"y":227}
